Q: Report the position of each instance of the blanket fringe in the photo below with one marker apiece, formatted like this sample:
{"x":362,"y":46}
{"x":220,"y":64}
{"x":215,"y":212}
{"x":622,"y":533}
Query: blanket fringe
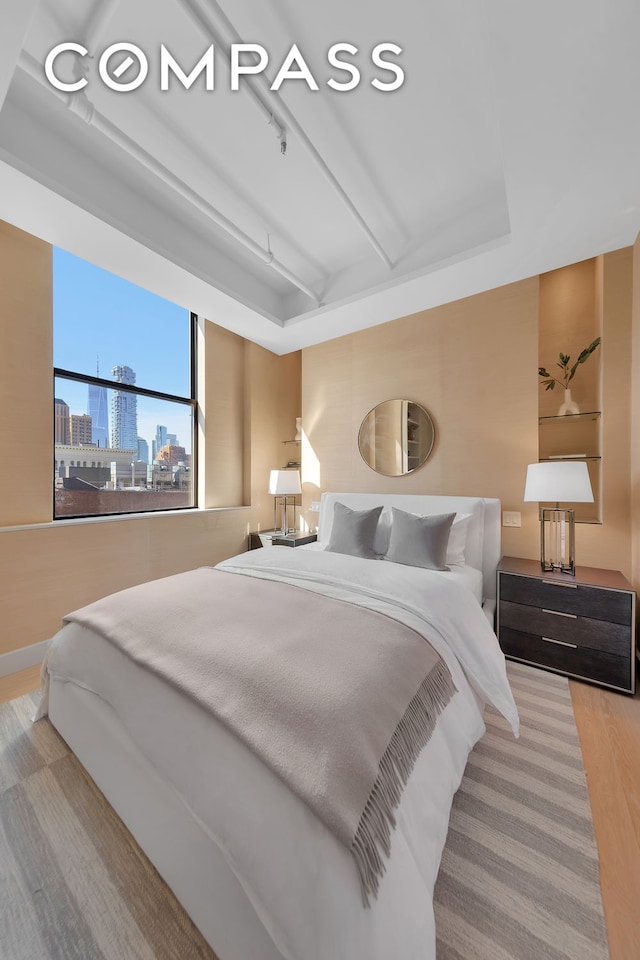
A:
{"x":373,"y":836}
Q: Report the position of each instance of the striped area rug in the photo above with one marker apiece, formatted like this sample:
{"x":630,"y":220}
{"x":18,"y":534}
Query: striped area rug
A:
{"x":74,"y":885}
{"x":519,"y":876}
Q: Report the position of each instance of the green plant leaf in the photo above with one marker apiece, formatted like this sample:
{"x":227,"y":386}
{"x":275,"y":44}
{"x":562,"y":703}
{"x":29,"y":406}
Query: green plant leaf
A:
{"x":586,"y":353}
{"x":568,"y":373}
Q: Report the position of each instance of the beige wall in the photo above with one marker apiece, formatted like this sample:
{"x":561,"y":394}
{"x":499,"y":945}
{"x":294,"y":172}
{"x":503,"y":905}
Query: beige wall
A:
{"x":255,"y":397}
{"x":26,"y":377}
{"x":635,"y":415}
{"x":222,"y":418}
{"x":48,"y":569}
{"x":474,"y":365}
{"x":272,"y":396}
{"x":609,"y":545}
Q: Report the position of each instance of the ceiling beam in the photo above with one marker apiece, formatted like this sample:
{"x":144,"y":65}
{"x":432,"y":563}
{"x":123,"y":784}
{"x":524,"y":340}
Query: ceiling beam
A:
{"x":79,"y":104}
{"x":276,"y":111}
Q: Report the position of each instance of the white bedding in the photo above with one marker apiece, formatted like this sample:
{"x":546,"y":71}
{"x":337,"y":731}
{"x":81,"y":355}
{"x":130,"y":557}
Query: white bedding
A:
{"x":468,"y":576}
{"x":300,"y":880}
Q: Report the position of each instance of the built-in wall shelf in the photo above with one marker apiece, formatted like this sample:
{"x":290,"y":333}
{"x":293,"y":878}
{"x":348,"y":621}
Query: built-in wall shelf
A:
{"x":568,"y":456}
{"x":575,"y":436}
{"x":572,"y":417}
{"x":570,"y":318}
{"x":293,"y":464}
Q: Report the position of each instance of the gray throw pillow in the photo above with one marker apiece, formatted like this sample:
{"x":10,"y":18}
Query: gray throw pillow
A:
{"x":419,"y":541}
{"x":353,"y":531}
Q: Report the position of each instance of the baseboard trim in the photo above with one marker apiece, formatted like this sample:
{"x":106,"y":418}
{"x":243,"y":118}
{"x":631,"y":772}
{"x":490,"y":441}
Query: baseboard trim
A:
{"x":17,"y":660}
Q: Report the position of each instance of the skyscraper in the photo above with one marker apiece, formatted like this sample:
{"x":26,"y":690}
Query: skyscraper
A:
{"x":81,"y":429}
{"x":159,"y":441}
{"x":124,"y":412}
{"x":62,"y":432}
{"x":143,"y":450}
{"x":97,"y":408}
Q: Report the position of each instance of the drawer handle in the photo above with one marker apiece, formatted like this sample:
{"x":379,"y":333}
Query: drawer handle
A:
{"x":559,"y":613}
{"x":561,"y":643}
{"x":560,"y":583}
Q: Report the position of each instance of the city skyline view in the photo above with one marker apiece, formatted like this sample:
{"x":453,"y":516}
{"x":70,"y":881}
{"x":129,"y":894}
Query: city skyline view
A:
{"x":101,"y":323}
{"x":162,"y":415}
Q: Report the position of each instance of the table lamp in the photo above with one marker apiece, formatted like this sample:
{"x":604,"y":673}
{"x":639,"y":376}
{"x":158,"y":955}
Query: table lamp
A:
{"x":566,"y":481}
{"x":284,"y":484}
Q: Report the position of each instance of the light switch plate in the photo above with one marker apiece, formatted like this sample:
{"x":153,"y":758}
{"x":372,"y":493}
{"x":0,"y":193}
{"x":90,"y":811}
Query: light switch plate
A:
{"x":315,"y":506}
{"x":511,"y":518}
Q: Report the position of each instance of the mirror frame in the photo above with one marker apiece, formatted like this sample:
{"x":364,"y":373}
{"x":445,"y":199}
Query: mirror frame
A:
{"x":404,"y":449}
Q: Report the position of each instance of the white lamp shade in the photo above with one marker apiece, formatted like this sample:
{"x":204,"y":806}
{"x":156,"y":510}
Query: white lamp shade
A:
{"x":284,"y":483}
{"x":566,"y":481}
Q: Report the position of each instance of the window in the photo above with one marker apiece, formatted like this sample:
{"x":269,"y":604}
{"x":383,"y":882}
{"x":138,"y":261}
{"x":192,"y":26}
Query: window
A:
{"x":124,"y":385}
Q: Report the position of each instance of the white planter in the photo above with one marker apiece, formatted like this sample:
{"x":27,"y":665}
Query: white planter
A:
{"x":569,"y":405}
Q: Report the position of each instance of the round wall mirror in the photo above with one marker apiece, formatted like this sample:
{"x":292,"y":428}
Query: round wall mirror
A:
{"x":396,"y":437}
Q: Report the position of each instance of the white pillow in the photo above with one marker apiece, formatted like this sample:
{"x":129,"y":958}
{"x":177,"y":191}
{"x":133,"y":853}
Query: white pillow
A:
{"x":383,"y":532}
{"x":458,"y":539}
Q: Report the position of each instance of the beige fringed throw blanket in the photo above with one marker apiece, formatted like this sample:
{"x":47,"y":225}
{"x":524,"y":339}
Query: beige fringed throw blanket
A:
{"x":336,"y":699}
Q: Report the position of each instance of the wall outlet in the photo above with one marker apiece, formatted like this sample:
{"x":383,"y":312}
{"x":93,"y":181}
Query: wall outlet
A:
{"x":315,"y":506}
{"x":511,"y":518}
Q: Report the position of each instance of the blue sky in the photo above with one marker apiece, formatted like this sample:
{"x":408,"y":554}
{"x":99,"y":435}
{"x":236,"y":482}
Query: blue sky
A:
{"x":98,"y":315}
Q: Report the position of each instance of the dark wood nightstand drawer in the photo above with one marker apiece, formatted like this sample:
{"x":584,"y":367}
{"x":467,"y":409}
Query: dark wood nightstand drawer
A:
{"x":613,"y":638}
{"x":581,"y":625}
{"x":575,"y":598}
{"x":579,"y":662}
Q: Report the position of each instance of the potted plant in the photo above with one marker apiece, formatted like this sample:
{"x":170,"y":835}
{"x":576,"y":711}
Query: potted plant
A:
{"x":568,"y":373}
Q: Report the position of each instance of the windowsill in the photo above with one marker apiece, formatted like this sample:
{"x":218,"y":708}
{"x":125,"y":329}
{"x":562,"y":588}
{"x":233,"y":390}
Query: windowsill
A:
{"x":119,"y":517}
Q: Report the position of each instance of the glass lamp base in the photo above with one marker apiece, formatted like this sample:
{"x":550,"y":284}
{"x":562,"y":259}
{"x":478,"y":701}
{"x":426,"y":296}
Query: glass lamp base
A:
{"x":285,"y":504}
{"x":557,"y":540}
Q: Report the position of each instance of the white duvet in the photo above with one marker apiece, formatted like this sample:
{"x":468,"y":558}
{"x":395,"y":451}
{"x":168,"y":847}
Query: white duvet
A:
{"x":300,"y":880}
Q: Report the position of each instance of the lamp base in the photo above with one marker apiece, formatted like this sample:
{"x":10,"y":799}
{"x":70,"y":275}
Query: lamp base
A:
{"x":570,"y":569}
{"x":557,"y":540}
{"x":285,"y":503}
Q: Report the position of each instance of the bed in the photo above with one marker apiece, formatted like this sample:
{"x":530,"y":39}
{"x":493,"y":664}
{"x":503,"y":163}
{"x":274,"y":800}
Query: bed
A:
{"x":259,"y":873}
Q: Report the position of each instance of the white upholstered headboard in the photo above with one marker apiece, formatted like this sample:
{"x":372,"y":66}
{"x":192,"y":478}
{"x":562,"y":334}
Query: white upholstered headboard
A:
{"x":482,"y":549}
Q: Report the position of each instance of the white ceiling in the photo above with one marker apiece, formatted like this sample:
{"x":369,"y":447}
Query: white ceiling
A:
{"x":513,"y":147}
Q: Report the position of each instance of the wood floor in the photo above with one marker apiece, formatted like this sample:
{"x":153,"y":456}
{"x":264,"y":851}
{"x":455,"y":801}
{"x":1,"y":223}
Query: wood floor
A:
{"x":18,"y":683}
{"x":609,"y":728}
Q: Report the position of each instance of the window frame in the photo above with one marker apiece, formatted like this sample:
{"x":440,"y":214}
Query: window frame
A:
{"x":191,"y":401}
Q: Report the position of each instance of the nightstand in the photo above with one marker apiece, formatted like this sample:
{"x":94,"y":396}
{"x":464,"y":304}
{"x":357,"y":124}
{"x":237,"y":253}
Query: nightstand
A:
{"x":582,"y":626}
{"x":275,"y":538}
